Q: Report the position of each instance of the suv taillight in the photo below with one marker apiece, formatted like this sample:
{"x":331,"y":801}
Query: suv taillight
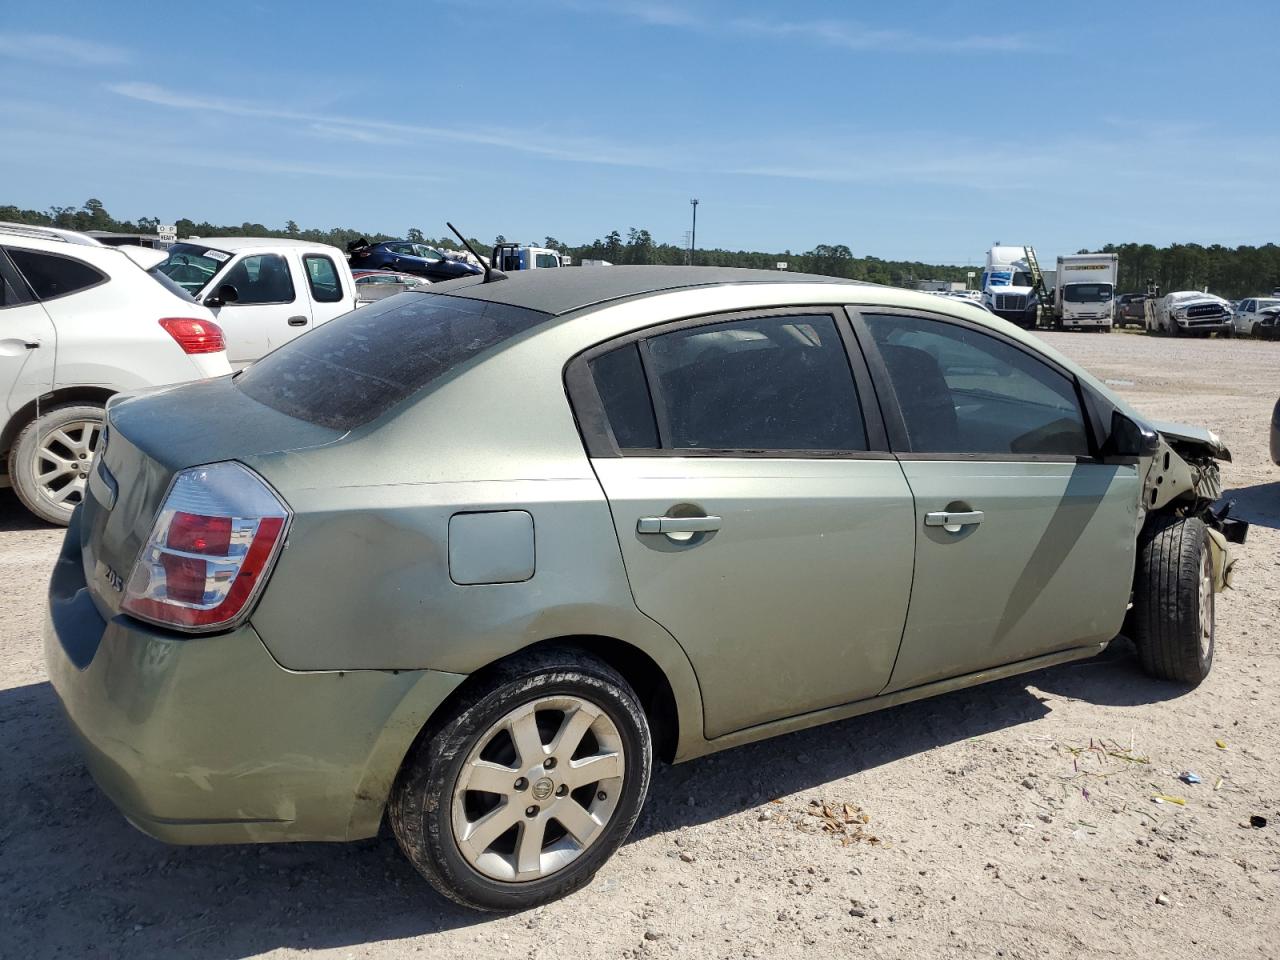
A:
{"x":210,"y":550}
{"x":195,"y":336}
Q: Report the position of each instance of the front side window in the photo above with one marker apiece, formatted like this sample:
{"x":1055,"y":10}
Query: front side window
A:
{"x":322,"y":277}
{"x":51,"y":275}
{"x":761,"y":384}
{"x":964,"y":392}
{"x":427,"y":253}
{"x":260,"y":278}
{"x":546,"y":260}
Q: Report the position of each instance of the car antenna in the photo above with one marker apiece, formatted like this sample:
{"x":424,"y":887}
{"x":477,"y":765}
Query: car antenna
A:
{"x":490,"y":275}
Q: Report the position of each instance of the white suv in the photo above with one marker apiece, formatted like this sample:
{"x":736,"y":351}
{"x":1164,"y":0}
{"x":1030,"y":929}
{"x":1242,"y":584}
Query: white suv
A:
{"x":79,"y":322}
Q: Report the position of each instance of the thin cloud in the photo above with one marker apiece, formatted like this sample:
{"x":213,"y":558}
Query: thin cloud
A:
{"x":333,"y":131}
{"x":845,"y":34}
{"x":61,"y":50}
{"x":849,"y":35}
{"x":557,"y":147}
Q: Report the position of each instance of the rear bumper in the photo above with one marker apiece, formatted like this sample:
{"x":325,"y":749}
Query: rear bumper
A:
{"x":209,"y":740}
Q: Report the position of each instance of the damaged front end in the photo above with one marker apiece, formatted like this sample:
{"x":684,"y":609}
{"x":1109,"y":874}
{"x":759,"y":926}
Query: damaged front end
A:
{"x":1182,"y":478}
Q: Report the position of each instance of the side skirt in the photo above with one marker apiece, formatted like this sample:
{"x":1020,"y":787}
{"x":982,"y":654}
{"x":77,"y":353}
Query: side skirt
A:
{"x":843,"y":711}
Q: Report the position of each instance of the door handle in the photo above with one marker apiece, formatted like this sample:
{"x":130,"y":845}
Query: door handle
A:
{"x":32,"y":344}
{"x":297,"y":321}
{"x":953,"y":522}
{"x":677,"y":524}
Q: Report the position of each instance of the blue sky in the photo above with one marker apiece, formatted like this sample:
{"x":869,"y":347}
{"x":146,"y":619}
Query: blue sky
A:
{"x":907,"y":130}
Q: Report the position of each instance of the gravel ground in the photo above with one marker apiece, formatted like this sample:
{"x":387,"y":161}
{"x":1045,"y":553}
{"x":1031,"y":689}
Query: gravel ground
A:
{"x":1011,"y":820}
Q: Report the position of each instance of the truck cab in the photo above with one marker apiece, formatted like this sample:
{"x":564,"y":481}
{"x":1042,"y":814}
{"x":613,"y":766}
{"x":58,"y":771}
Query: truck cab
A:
{"x":263,"y":292}
{"x":1008,"y":287}
{"x":1086,"y":294}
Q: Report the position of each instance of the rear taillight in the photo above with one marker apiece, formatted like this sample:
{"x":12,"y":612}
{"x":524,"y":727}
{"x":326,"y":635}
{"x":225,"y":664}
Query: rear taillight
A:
{"x":210,"y":550}
{"x":195,"y":336}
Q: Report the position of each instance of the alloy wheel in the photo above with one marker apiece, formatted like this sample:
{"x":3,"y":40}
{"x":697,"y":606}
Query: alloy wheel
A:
{"x":538,"y":789}
{"x":64,"y":459}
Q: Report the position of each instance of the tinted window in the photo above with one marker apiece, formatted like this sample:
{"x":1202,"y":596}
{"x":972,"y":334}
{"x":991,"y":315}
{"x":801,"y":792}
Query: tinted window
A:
{"x":350,"y":370}
{"x":546,"y":260}
{"x":619,"y":379}
{"x":52,"y":276}
{"x":781,"y":383}
{"x":260,"y":278}
{"x":323,"y":278}
{"x":961,"y":391}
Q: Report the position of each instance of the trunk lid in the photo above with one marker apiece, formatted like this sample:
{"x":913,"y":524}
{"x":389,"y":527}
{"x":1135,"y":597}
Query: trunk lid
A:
{"x":151,"y":437}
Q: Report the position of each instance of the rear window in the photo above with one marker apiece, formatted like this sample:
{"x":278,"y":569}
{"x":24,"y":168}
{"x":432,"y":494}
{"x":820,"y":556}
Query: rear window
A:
{"x":351,"y":370}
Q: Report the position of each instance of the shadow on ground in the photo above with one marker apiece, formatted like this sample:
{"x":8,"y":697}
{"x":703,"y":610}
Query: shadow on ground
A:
{"x":75,"y":878}
{"x":14,"y":516}
{"x":1259,"y":504}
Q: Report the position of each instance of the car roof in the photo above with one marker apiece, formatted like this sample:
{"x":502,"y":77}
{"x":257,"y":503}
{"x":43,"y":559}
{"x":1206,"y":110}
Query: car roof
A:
{"x":249,"y":243}
{"x":37,"y":232}
{"x":562,"y":291}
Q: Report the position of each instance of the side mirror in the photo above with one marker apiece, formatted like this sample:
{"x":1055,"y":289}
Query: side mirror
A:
{"x":227,"y":293}
{"x":1130,"y":439}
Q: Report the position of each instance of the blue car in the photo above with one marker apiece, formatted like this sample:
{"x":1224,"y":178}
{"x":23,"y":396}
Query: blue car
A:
{"x":405,"y":256}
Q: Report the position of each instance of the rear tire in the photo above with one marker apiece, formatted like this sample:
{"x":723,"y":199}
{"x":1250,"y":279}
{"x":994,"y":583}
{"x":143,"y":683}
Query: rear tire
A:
{"x":457,"y":776}
{"x":50,"y":460}
{"x":1173,"y":609}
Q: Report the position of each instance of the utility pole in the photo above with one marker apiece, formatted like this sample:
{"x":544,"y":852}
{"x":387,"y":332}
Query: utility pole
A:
{"x":693,"y":234}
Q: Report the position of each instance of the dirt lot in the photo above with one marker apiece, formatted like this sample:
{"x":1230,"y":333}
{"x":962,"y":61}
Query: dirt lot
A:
{"x":1010,"y":820}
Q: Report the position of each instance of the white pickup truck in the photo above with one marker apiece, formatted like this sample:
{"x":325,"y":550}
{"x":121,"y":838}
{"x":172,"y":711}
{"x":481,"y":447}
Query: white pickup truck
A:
{"x":262,"y":291}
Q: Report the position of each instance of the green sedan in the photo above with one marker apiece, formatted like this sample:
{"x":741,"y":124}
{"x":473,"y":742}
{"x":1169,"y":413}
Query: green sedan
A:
{"x":472,"y":559}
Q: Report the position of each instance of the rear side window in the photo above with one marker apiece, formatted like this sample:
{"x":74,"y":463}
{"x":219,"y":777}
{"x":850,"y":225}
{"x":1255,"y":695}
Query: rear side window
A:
{"x":624,"y":394}
{"x":963,"y":392}
{"x":260,"y":278}
{"x":771,"y":384}
{"x":349,"y":371}
{"x":322,"y":277}
{"x":779,"y":383}
{"x":51,"y":275}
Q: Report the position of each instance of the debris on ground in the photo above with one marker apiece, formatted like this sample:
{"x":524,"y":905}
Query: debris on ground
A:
{"x":846,"y":822}
{"x":1188,"y":777}
{"x":1257,"y":822}
{"x":1165,"y":798}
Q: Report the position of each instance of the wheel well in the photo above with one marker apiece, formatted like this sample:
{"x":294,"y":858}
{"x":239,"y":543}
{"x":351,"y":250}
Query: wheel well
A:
{"x":56,"y":398}
{"x":636,"y":666}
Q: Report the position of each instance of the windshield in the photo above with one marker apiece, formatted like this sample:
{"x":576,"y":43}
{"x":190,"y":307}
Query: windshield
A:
{"x":1086,"y":292}
{"x":191,"y":265}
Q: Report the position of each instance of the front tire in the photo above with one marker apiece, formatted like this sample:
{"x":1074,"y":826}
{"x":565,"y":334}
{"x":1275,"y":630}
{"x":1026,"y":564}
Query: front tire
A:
{"x":528,"y":785}
{"x":1173,"y":609}
{"x":50,"y":461}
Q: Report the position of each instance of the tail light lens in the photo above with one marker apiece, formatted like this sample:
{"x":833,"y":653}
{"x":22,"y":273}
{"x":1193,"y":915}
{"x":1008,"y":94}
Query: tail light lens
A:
{"x":195,"y":336}
{"x":210,"y":551}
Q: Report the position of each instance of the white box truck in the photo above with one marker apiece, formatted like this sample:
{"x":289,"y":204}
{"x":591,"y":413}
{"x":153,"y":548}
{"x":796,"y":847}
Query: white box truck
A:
{"x":1086,"y":291}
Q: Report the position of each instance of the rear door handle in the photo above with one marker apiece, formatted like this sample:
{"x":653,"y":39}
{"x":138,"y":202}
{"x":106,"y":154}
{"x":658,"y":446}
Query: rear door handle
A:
{"x":297,"y":321}
{"x":953,"y":522}
{"x":677,"y":524}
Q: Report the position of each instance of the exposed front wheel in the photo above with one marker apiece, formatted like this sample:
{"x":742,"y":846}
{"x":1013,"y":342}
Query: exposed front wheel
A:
{"x":528,"y":786}
{"x":1173,"y":602}
{"x":50,"y":461}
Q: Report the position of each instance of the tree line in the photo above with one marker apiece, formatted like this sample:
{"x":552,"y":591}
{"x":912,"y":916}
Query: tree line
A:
{"x":1231,"y":272}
